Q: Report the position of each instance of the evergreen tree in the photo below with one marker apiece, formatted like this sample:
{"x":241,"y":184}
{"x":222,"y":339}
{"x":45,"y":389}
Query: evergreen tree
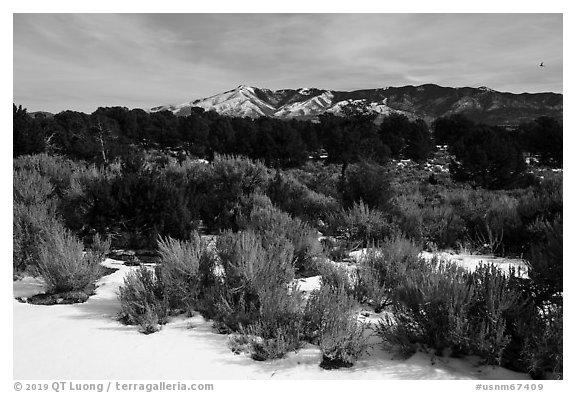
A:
{"x":488,"y":157}
{"x":28,"y":137}
{"x":393,"y":131}
{"x":194,"y":133}
{"x":543,"y":137}
{"x":406,"y":138}
{"x":419,"y":143}
{"x":447,"y":130}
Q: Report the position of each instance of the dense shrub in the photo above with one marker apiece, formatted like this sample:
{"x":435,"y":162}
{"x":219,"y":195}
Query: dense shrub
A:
{"x":251,"y":270}
{"x":542,"y":350}
{"x":253,"y":294}
{"x":442,"y":306}
{"x":142,"y":300}
{"x":542,"y":202}
{"x":31,"y":226}
{"x":368,"y":183}
{"x":338,"y":249}
{"x":229,"y":179}
{"x":88,"y":204}
{"x":81,"y":193}
{"x":179,"y":270}
{"x":335,"y":276}
{"x":538,"y":329}
{"x":100,"y":247}
{"x":499,"y":225}
{"x":485,"y":221}
{"x":59,"y":170}
{"x":319,"y":177}
{"x":429,"y":308}
{"x":64,"y":266}
{"x":284,"y":340}
{"x":297,"y":199}
{"x":489,"y":220}
{"x":425,"y":214}
{"x":34,"y":216}
{"x":31,"y":188}
{"x":278,"y":328}
{"x":330,"y":321}
{"x":496,"y":300}
{"x":270,"y":222}
{"x":132,"y":205}
{"x":360,"y":224}
{"x":383,"y":268}
{"x":545,"y":263}
{"x":150,"y":205}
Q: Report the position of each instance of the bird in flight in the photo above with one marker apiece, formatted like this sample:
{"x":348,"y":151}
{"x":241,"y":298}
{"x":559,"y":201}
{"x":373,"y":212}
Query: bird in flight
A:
{"x":542,"y":64}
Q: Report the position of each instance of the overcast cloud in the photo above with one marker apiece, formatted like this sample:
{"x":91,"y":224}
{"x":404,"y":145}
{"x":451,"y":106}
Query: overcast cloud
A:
{"x":82,"y":61}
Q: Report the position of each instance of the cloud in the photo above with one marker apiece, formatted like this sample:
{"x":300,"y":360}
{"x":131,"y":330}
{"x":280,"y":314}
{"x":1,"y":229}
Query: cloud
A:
{"x":81,"y":61}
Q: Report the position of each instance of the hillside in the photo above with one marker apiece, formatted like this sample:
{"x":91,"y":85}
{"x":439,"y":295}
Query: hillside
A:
{"x":426,"y":101}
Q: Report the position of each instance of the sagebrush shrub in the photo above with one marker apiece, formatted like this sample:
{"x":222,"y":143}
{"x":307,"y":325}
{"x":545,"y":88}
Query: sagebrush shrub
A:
{"x":142,"y":300}
{"x":272,"y":340}
{"x":34,"y":215}
{"x":382,"y":269}
{"x":335,"y":276}
{"x":253,"y":293}
{"x":99,"y":247}
{"x":501,"y":224}
{"x":272,"y":223}
{"x":63,"y":264}
{"x":542,"y":351}
{"x":227,"y":182}
{"x":338,"y":249}
{"x":360,"y":224}
{"x":545,"y":261}
{"x":330,"y":321}
{"x":292,"y":196}
{"x":545,"y":200}
{"x":539,"y":325}
{"x":31,"y":188}
{"x":399,"y":333}
{"x":442,"y":306}
{"x":429,"y":218}
{"x":179,"y":270}
{"x":437,"y":300}
{"x":319,"y":177}
{"x":253,"y":270}
{"x":31,"y":226}
{"x":369,"y":183}
{"x":59,"y":170}
{"x":495,"y":298}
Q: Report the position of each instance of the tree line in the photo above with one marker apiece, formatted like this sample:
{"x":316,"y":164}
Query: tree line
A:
{"x":489,"y":156}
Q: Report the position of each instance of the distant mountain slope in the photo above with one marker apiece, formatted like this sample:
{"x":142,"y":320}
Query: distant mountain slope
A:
{"x":426,"y":101}
{"x":41,"y":114}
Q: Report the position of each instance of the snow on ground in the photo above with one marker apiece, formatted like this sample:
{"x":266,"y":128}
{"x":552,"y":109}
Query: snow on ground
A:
{"x":309,"y":284}
{"x":467,"y":261}
{"x":85,"y":341}
{"x":470,"y":261}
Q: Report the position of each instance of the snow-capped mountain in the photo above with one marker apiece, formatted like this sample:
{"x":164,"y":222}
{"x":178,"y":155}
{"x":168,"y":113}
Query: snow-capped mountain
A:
{"x":426,"y":101}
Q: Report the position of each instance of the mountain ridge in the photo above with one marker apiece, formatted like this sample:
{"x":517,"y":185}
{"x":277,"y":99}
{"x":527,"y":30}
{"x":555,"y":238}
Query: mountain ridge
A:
{"x":427,"y":101}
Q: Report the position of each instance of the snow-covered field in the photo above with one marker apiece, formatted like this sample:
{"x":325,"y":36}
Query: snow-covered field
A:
{"x":85,"y":341}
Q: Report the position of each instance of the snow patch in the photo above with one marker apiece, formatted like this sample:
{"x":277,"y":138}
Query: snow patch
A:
{"x":468,"y":261}
{"x":85,"y":341}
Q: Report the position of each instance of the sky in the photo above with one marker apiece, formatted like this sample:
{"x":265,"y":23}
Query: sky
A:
{"x":83,"y":61}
